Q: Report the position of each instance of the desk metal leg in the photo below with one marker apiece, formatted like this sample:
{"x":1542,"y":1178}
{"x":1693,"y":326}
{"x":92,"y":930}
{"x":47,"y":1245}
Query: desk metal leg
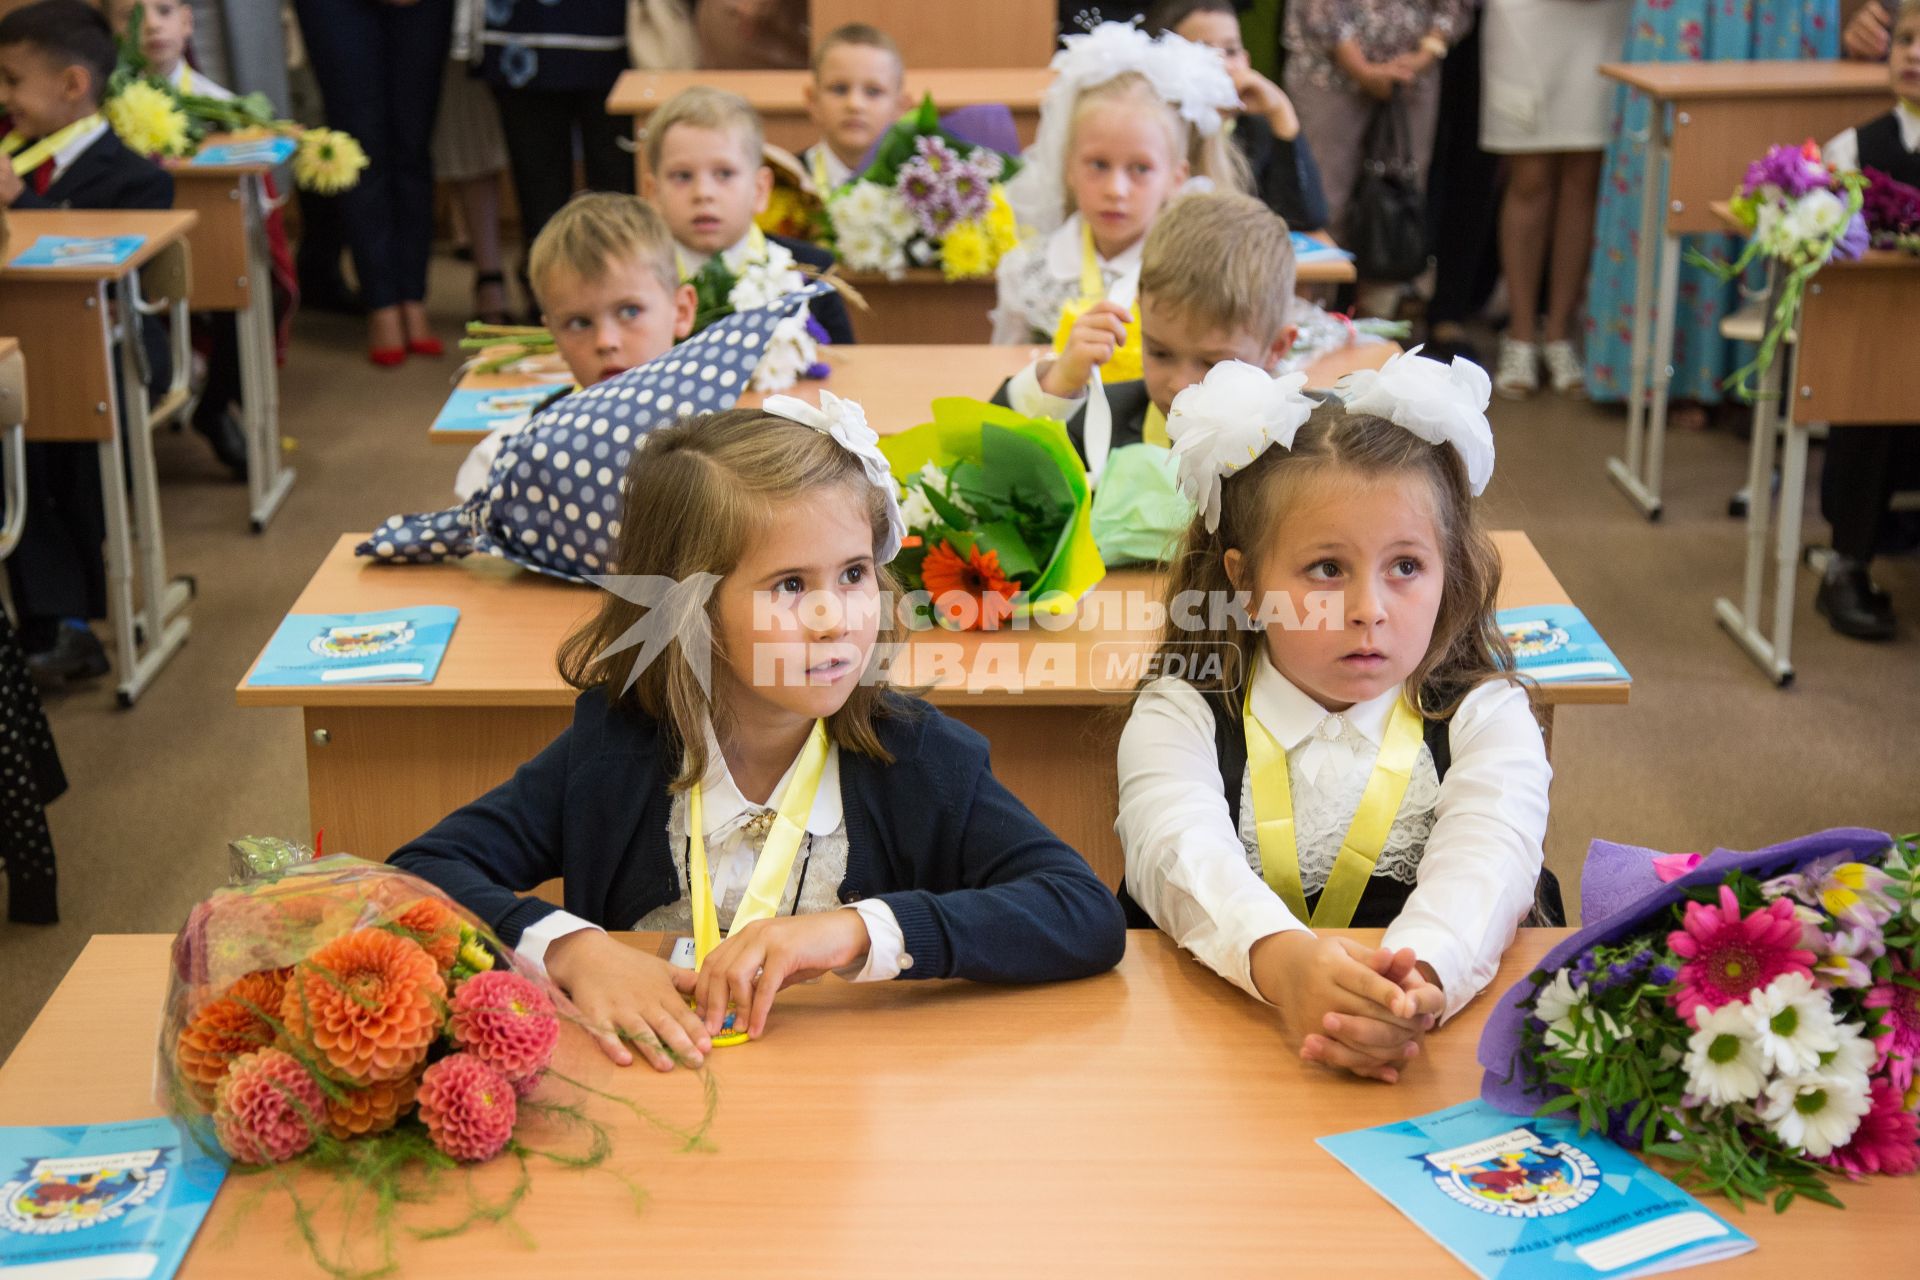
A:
{"x":1657,"y":266}
{"x":1772,"y":652}
{"x":144,"y":618}
{"x":268,"y":480}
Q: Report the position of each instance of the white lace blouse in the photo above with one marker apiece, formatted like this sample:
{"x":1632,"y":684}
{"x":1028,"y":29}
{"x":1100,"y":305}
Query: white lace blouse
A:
{"x":1038,"y":277}
{"x":1471,"y":845}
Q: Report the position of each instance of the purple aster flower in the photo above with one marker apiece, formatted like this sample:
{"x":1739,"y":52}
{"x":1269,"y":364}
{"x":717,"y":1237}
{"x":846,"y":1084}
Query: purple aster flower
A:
{"x":935,"y":153}
{"x":1792,"y":170}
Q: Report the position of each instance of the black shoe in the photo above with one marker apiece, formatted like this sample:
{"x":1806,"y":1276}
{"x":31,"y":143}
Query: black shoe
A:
{"x":229,"y":442}
{"x":330,"y":293}
{"x":1851,"y":604}
{"x":76,"y":655}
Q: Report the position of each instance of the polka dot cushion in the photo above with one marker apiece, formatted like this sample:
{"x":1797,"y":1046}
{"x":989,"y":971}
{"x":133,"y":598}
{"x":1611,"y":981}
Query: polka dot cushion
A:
{"x":552,"y":502}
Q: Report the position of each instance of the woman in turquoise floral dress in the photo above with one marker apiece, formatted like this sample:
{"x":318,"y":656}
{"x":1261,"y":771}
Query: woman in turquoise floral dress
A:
{"x":1680,"y":31}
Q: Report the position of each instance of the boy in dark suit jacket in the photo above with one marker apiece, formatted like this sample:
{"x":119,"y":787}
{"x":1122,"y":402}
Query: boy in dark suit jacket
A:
{"x":706,"y":176}
{"x":1216,"y":284}
{"x":55,"y":58}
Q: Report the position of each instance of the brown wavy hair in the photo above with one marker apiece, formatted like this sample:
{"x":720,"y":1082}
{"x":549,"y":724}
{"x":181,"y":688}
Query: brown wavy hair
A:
{"x":698,"y":494}
{"x":1467,"y":647}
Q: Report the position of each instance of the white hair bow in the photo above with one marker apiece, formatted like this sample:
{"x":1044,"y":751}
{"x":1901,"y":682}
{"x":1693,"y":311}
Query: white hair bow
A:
{"x":1442,"y":404}
{"x":846,"y":422}
{"x":1225,"y":421}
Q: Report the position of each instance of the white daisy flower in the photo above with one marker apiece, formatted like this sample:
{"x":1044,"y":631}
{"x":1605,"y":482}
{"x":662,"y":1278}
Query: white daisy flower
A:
{"x":1793,"y":1023}
{"x":917,"y":511}
{"x":1816,"y":1113}
{"x":1723,"y":1061}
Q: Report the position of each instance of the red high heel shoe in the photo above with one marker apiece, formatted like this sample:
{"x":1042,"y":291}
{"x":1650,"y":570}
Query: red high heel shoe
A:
{"x":427,"y":346}
{"x":387,"y":357}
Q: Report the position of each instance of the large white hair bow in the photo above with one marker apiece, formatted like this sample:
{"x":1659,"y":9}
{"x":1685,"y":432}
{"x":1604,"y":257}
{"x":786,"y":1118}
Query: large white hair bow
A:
{"x":1442,"y":404}
{"x":846,"y":422}
{"x":1225,"y":421}
{"x":1192,"y":77}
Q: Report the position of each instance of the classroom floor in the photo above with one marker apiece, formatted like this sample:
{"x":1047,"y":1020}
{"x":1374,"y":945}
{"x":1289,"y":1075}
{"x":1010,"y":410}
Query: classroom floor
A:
{"x":1707,"y":753}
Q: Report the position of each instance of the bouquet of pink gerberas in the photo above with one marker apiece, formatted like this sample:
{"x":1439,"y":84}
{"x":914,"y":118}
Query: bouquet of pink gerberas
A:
{"x":1752,"y":1017}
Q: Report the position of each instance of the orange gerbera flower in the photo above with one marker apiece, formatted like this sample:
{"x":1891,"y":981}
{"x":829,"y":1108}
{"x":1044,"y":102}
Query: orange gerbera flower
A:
{"x":374,"y":1109}
{"x":971,"y":594}
{"x":225,"y":1028}
{"x":432,"y":924}
{"x":365,"y":1006}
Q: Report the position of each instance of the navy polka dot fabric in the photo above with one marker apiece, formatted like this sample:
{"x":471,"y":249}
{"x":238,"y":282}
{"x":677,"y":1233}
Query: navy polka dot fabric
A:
{"x":552,"y":501}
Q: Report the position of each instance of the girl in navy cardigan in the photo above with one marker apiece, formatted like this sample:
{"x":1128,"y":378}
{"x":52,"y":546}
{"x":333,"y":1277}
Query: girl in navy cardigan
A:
{"x":728,"y":718}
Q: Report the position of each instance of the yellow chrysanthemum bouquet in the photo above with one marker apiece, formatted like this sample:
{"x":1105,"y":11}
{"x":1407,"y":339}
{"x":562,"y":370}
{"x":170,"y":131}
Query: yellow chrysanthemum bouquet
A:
{"x":154,"y":118}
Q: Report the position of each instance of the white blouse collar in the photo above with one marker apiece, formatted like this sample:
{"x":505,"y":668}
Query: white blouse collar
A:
{"x":1064,"y":248}
{"x":722,"y":805}
{"x":1291,"y":716}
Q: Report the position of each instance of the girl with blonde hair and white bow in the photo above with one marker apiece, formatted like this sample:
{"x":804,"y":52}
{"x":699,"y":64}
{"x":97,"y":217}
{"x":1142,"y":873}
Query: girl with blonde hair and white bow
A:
{"x":1351,"y":746}
{"x":733,"y":764}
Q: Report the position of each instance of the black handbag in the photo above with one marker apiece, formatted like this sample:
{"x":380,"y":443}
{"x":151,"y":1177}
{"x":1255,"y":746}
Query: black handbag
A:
{"x":1387,"y":229}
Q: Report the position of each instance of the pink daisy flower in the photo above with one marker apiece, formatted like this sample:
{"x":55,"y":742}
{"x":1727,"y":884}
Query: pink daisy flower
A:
{"x":1888,"y":1139}
{"x":1728,"y":955}
{"x":1899,"y":1037}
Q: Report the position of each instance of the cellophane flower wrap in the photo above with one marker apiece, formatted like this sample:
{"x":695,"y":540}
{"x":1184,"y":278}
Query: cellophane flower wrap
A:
{"x":928,"y":199}
{"x":1752,"y":1017}
{"x":352,"y":1018}
{"x":155,"y":118}
{"x":1799,"y":215}
{"x":998,"y":515}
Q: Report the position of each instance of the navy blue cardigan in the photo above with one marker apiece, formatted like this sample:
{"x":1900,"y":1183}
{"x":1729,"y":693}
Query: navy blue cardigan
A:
{"x":981,"y":888}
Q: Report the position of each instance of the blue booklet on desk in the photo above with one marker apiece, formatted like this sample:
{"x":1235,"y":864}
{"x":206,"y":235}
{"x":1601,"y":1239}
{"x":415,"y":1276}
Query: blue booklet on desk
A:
{"x":399,"y":646}
{"x":1308,"y":249}
{"x":1516,"y":1197}
{"x":273,"y":151}
{"x":487,"y":411}
{"x":1556,"y":642}
{"x":102,"y":1199}
{"x":78,"y":251}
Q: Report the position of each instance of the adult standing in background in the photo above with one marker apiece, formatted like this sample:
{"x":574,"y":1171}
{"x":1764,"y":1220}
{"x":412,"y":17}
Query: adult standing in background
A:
{"x":1869,"y":31}
{"x":551,"y":64}
{"x":1680,"y":31}
{"x":1544,"y":106}
{"x":752,"y":35}
{"x":1461,"y":215}
{"x":1347,"y":57}
{"x":379,"y":65}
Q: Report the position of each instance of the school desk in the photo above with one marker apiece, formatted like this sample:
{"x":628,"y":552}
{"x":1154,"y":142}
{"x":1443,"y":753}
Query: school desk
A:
{"x":777,"y":97}
{"x":233,"y":271}
{"x":1149,"y":1121}
{"x":924,"y":306}
{"x":1709,"y":121}
{"x":1834,"y":371}
{"x":384,"y":763}
{"x":68,"y":320}
{"x":13,"y":420}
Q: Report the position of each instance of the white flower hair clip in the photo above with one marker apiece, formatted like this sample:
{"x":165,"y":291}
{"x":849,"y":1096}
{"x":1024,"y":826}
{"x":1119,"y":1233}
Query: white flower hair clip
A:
{"x":846,"y":422}
{"x":1228,"y":419}
{"x":1442,"y":404}
{"x":1194,"y":78}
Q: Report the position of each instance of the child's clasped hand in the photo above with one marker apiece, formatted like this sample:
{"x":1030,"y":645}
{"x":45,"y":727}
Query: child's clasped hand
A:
{"x":1352,"y":1007}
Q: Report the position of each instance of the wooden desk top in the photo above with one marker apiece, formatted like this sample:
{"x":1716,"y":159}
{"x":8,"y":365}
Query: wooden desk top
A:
{"x":512,"y":622}
{"x":637,"y":93}
{"x":1125,"y":1124}
{"x":161,"y":227}
{"x":1788,"y":78}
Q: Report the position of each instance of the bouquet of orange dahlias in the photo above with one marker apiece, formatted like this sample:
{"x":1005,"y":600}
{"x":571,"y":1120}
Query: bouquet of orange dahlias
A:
{"x":351,"y":1016}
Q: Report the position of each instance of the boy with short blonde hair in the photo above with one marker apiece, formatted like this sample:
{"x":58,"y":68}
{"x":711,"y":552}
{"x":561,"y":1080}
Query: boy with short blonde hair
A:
{"x":1216,"y":284}
{"x":603,"y":272}
{"x":707,"y":176}
{"x":857,"y":91}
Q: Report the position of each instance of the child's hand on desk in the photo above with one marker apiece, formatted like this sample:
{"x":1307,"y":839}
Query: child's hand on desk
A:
{"x":1100,"y":331}
{"x":756,"y":961}
{"x":621,"y":990}
{"x":1359,"y":1009}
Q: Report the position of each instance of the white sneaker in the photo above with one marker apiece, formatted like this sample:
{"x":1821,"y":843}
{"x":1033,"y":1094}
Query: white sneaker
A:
{"x":1564,"y":370}
{"x":1518,"y":372}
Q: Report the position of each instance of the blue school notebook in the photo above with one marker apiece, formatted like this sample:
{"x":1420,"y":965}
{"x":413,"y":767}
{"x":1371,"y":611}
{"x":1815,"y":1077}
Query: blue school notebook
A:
{"x":78,"y":251}
{"x":1514,"y":1197}
{"x":1308,"y":249}
{"x":491,"y":410}
{"x":102,"y":1200}
{"x":274,"y":151}
{"x":399,"y":646}
{"x":1556,"y":642}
